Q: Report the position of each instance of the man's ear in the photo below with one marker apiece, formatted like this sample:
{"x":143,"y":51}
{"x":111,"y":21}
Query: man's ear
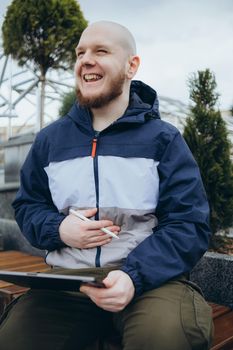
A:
{"x":133,"y":64}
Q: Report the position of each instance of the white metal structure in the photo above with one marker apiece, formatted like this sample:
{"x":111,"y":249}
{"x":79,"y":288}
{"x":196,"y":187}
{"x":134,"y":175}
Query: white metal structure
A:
{"x":20,"y":98}
{"x":20,"y":94}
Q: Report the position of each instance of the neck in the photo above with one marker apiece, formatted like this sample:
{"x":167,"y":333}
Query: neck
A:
{"x":104,"y":116}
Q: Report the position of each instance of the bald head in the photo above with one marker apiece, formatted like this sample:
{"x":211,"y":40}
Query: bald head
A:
{"x":105,"y":65}
{"x":115,"y":32}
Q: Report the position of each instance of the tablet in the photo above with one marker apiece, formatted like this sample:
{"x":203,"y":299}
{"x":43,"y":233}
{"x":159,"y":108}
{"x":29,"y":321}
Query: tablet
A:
{"x":38,"y":280}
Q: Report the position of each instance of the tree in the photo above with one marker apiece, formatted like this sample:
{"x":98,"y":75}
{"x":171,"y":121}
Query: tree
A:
{"x":44,"y":32}
{"x":206,"y":135}
{"x":68,"y":100}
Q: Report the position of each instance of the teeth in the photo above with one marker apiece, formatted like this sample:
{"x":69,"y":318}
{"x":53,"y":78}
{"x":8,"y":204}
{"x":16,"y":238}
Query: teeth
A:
{"x":92,"y":77}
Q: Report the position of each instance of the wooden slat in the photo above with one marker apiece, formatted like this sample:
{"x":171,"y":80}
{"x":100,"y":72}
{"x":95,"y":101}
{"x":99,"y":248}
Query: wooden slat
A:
{"x":27,"y":265}
{"x":226,"y":344}
{"x":219,"y":310}
{"x":18,"y":261}
{"x":12,"y":289}
{"x":11,"y":254}
{"x":223,"y":324}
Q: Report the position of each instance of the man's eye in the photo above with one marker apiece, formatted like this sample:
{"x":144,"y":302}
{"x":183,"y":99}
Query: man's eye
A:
{"x":102,"y":51}
{"x":80,"y":54}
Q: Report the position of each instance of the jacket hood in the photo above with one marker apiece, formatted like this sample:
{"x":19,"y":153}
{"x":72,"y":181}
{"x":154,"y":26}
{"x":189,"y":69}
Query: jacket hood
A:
{"x":143,"y":105}
{"x":144,"y":98}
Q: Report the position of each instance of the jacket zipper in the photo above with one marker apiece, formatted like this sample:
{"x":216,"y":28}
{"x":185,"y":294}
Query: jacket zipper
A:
{"x":96,"y":177}
{"x":94,"y":145}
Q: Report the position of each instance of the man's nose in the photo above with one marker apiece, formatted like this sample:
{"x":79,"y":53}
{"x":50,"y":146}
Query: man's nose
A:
{"x":87,"y":58}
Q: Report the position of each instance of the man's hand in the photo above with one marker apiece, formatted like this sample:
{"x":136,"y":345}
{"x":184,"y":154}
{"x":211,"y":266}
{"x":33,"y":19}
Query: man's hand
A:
{"x":81,"y":234}
{"x":116,"y":296}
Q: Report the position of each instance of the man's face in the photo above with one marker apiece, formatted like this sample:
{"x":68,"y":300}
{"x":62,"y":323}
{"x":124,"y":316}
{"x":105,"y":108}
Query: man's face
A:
{"x":100,"y":68}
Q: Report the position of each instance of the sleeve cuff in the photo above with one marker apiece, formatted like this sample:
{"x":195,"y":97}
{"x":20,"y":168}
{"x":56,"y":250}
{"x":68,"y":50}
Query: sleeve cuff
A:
{"x":54,"y":240}
{"x":136,"y":280}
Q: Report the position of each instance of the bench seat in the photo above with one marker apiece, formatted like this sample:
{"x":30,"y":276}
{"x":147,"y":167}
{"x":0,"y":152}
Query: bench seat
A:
{"x":17,"y":261}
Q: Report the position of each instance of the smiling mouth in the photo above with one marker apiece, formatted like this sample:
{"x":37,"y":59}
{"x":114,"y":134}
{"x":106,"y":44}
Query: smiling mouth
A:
{"x":91,"y":77}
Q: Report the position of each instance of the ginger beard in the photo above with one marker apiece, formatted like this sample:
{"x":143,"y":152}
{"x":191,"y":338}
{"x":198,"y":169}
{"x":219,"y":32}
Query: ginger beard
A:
{"x":114,"y":90}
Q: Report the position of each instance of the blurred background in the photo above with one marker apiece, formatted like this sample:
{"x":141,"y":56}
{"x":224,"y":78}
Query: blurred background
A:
{"x":182,"y":45}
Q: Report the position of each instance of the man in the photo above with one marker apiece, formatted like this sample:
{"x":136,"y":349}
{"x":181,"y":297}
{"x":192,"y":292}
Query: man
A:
{"x":113,"y":159}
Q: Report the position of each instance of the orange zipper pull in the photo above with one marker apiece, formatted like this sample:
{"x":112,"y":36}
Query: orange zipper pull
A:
{"x":93,"y":151}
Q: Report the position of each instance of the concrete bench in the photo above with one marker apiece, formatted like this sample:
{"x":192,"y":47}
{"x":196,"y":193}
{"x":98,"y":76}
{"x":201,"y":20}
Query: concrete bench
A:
{"x":11,"y":238}
{"x":214,"y":274}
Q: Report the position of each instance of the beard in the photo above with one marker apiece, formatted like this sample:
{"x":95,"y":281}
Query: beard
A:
{"x":115,"y":89}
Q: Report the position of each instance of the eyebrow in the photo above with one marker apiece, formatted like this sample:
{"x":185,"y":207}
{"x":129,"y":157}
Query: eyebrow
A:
{"x":78,"y":48}
{"x":97,"y":46}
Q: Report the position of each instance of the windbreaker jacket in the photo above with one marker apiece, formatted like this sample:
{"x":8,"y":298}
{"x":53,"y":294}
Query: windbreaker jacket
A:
{"x":140,"y":174}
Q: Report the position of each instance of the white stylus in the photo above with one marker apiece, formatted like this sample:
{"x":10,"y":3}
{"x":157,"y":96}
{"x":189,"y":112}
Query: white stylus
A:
{"x":84,"y":218}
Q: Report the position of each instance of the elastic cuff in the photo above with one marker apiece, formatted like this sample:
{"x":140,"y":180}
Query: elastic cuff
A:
{"x":135,"y":278}
{"x":54,"y":240}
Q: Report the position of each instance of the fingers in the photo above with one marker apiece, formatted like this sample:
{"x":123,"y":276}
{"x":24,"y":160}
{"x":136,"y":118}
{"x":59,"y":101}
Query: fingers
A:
{"x":80,"y":233}
{"x":104,"y":298}
{"x":96,"y":231}
{"x":97,"y":236}
{"x":94,"y":238}
{"x":98,"y":224}
{"x":98,"y":244}
{"x":115,"y":229}
{"x":116,"y":296}
{"x":94,"y":227}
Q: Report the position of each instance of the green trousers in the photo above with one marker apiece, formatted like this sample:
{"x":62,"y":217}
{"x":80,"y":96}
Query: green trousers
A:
{"x":172,"y":317}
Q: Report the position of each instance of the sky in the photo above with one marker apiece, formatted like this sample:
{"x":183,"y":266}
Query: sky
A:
{"x":174,"y":39}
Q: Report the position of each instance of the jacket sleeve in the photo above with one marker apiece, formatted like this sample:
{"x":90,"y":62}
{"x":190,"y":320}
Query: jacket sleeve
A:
{"x":35,"y":213}
{"x":182,"y":234}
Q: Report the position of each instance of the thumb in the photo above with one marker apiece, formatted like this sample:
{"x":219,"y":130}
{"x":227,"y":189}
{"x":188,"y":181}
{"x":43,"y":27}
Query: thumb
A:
{"x":88,"y":212}
{"x":110,"y":279}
